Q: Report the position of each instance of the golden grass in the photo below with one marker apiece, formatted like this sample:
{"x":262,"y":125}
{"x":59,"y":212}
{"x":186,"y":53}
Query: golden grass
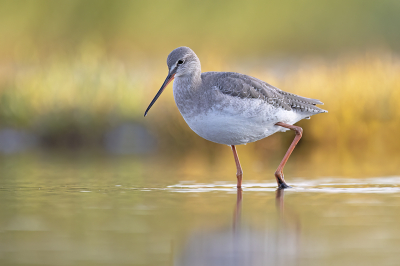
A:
{"x":92,"y":92}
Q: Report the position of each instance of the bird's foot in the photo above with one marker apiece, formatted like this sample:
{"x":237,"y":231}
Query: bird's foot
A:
{"x":280,"y":180}
{"x":283,"y":186}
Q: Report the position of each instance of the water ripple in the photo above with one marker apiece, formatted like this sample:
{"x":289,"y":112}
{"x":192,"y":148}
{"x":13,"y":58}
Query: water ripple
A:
{"x":326,"y":185}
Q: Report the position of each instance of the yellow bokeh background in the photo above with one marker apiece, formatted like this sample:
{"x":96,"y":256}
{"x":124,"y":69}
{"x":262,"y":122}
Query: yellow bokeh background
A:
{"x":84,"y":67}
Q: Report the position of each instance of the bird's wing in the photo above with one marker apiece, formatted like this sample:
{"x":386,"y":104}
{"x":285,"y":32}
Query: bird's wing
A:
{"x":243,"y":86}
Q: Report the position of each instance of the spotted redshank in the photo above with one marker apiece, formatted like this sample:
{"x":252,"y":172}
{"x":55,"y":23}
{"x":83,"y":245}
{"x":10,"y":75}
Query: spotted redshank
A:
{"x":231,"y":108}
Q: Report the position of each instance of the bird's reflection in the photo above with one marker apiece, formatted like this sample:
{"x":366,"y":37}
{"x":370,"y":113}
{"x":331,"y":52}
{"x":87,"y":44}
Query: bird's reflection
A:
{"x":237,"y":213}
{"x":275,"y":244}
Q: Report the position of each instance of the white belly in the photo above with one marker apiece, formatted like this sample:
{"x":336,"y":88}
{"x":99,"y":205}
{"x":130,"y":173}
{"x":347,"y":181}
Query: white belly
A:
{"x":234,"y":125}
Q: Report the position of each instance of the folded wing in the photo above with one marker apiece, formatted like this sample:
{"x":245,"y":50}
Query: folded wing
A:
{"x":243,"y":86}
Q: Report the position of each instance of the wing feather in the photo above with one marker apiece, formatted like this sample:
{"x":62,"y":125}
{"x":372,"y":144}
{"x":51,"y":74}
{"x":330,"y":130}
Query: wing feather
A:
{"x":243,"y":86}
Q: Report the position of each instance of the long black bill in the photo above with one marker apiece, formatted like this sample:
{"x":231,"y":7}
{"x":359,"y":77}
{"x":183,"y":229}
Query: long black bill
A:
{"x":169,"y":78}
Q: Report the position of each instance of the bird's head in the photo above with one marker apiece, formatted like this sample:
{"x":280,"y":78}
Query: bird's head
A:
{"x":181,"y":62}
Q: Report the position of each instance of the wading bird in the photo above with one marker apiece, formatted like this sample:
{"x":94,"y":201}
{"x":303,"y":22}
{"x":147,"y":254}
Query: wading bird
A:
{"x":231,"y":108}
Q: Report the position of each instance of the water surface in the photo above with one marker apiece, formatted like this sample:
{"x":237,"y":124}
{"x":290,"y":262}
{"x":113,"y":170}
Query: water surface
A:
{"x":80,"y":213}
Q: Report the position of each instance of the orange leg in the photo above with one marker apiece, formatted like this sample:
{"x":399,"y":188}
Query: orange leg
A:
{"x":239,"y":173}
{"x":279,"y":172}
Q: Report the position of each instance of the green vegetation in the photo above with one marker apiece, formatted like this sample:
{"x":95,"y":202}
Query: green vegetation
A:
{"x":229,"y":27}
{"x":78,"y":68}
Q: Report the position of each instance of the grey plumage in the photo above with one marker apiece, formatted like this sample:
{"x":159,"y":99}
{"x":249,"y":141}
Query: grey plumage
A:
{"x":243,"y":86}
{"x":231,"y":108}
{"x":181,"y":53}
{"x":239,"y":85}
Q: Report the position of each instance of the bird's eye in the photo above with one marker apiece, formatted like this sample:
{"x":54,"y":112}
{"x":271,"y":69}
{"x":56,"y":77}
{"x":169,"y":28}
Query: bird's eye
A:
{"x":180,"y":62}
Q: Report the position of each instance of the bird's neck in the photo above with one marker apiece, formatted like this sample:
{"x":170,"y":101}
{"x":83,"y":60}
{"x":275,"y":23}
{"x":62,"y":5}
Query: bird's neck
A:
{"x":187,"y":91}
{"x":188,"y":83}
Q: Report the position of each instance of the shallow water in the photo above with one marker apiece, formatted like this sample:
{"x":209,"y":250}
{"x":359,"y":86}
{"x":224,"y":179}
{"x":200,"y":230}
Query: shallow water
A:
{"x":59,"y":213}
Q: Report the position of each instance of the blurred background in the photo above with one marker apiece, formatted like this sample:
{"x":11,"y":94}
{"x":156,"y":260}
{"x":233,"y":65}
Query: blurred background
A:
{"x":76,"y":77}
{"x":85,"y":179}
